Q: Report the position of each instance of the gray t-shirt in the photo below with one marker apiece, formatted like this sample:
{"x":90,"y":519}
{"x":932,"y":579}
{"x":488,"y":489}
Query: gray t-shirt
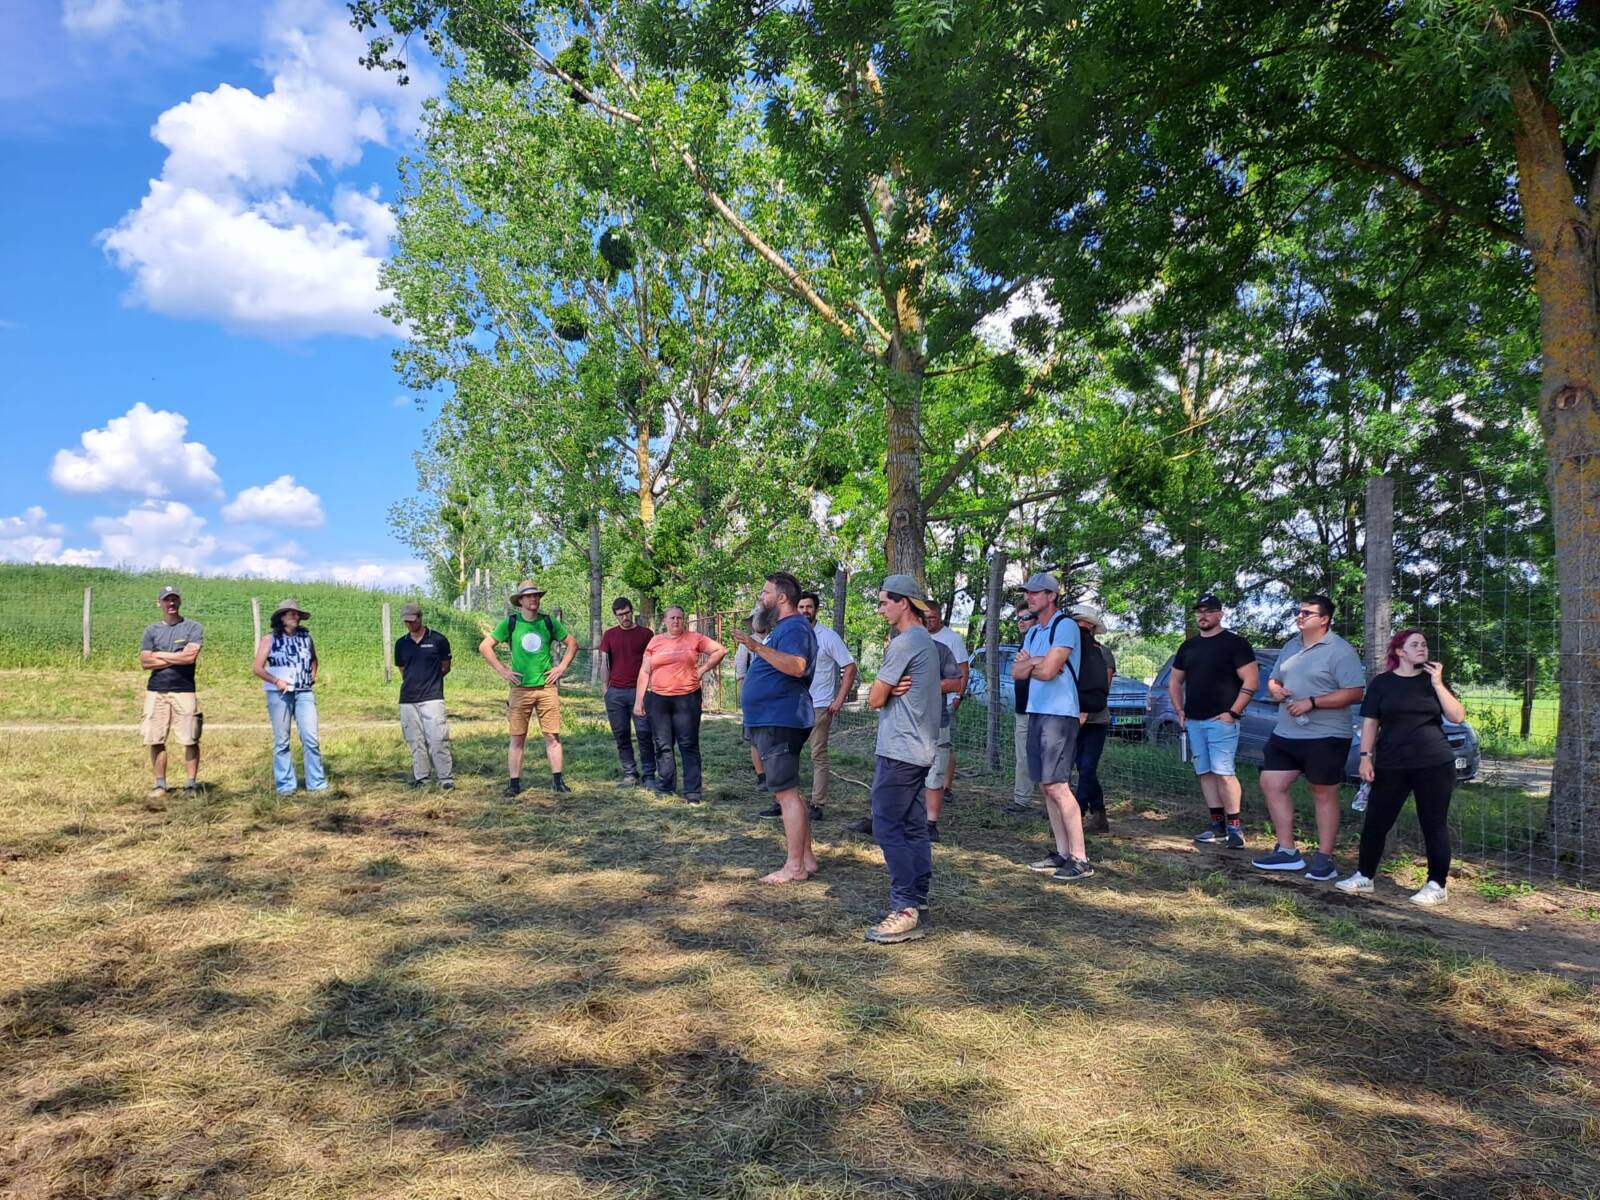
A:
{"x":172,"y":639}
{"x":1329,"y":665}
{"x":949,"y":668}
{"x":908,"y":726}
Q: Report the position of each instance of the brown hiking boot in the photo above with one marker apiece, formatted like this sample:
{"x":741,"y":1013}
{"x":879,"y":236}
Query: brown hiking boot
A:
{"x":902,"y":925}
{"x":1094,"y":821}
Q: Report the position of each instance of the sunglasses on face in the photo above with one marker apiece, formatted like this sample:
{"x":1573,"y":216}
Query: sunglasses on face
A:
{"x":1307,"y":612}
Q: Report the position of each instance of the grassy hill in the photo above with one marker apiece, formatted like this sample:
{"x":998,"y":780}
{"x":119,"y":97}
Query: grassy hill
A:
{"x":41,"y":639}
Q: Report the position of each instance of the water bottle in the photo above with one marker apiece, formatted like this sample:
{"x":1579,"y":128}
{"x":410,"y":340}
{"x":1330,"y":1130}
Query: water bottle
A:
{"x":1303,"y":719}
{"x":1359,"y":804}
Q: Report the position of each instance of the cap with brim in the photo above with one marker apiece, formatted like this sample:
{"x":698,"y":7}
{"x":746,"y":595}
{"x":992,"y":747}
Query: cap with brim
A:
{"x":407,"y":611}
{"x":290,"y":605}
{"x":1089,"y":613}
{"x":1208,"y":601}
{"x":907,"y":586}
{"x":526,"y":588}
{"x":169,"y":590}
{"x":1042,"y":581}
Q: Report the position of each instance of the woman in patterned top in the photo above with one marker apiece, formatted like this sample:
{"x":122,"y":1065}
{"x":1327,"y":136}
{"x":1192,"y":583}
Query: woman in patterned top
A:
{"x":286,"y":663}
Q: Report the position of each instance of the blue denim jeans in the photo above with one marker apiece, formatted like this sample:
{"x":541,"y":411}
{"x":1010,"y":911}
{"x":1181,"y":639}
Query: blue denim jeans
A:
{"x":900,"y":827}
{"x":299,"y":708}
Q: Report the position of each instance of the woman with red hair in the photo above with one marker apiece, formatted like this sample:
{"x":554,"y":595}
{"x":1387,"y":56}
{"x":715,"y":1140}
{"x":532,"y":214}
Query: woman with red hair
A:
{"x":1404,"y":752}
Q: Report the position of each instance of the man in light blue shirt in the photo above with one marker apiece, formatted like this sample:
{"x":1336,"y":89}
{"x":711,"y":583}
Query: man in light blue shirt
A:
{"x":1048,"y":661}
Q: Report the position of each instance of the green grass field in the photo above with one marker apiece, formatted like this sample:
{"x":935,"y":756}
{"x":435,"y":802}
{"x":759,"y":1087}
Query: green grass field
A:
{"x":385,"y":994}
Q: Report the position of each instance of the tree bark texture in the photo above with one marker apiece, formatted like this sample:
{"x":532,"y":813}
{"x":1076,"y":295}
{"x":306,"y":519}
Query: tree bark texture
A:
{"x":904,"y":550}
{"x":1560,"y":238}
{"x":596,"y":586}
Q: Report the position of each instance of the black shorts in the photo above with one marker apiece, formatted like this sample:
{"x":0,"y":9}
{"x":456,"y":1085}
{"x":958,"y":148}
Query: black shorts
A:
{"x":1052,"y":747}
{"x":780,"y":754}
{"x":1320,"y":760}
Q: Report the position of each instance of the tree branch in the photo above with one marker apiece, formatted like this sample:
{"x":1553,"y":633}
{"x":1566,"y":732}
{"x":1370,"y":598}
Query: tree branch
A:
{"x":1438,"y":199}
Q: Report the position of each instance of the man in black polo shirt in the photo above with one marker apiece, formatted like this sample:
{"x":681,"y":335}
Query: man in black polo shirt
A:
{"x":423,"y":656}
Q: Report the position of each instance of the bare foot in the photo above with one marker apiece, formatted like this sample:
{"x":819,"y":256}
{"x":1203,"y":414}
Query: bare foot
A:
{"x":812,"y":866}
{"x":786,"y":875}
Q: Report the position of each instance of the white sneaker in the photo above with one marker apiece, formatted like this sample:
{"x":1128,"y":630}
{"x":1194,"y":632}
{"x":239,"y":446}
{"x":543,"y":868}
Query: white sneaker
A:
{"x":1430,"y":894}
{"x":1357,"y":883}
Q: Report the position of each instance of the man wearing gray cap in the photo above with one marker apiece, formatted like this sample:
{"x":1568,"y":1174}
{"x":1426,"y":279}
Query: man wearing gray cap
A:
{"x":908,"y":702}
{"x":1045,"y":661}
{"x":169,"y":651}
{"x":423,"y":657}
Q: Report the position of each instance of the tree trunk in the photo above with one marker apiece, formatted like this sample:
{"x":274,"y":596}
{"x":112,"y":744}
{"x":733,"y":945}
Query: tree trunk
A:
{"x":597,"y":584}
{"x":904,"y":550}
{"x":1561,"y":241}
{"x":647,"y":510}
{"x":841,"y":581}
{"x":1530,"y":689}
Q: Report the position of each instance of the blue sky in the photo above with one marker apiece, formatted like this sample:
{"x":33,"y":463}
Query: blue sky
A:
{"x":191,"y":367}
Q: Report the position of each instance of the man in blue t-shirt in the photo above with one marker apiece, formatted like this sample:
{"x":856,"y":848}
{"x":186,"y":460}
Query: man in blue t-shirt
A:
{"x":1048,"y":662}
{"x":778,"y":714}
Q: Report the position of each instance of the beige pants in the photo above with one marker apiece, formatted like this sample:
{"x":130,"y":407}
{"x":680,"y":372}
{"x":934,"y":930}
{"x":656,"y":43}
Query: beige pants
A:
{"x":428,"y":734}
{"x":1023,"y":790}
{"x":819,"y":756}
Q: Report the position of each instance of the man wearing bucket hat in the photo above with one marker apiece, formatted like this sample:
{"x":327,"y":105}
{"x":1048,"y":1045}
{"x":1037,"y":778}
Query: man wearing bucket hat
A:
{"x":908,"y":701}
{"x":286,"y":664}
{"x":423,"y":657}
{"x":531,"y":636}
{"x":1094,"y":720}
{"x":1053,"y":723}
{"x":169,"y":649}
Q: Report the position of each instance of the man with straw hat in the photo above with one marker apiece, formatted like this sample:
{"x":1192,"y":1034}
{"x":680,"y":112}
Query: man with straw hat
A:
{"x":531,"y":635}
{"x":908,"y":702}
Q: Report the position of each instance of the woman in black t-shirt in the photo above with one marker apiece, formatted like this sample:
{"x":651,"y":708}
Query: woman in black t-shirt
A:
{"x":1404,"y":750}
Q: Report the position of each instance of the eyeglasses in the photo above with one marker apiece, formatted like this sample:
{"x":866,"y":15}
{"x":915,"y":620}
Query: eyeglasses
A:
{"x":1307,"y":612}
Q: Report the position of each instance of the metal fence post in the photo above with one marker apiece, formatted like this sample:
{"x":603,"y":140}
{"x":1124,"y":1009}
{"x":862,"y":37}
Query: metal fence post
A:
{"x":388,"y":646}
{"x":991,"y":657}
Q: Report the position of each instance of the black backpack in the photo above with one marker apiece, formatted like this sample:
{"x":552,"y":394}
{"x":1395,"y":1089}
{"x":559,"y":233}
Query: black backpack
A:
{"x":1094,"y":696}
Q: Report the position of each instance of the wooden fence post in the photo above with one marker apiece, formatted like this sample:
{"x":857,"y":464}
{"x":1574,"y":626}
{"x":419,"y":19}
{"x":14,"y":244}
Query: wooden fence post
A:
{"x":255,"y":622}
{"x":388,"y":645}
{"x":991,"y":656}
{"x":1378,"y":597}
{"x":87,"y":593}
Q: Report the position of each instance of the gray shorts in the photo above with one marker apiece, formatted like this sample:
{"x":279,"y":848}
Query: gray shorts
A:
{"x":780,"y":748}
{"x":939,"y":773}
{"x":1052,"y":746}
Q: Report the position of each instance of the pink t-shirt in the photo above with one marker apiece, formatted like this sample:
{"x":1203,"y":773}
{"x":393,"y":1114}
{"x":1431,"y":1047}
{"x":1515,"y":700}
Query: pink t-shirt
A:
{"x":675,"y":661}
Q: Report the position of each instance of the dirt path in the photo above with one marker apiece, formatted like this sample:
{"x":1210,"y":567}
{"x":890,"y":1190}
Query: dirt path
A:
{"x":1545,"y":931}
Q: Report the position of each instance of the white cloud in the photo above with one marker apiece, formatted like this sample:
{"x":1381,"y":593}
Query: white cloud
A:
{"x":142,"y":451}
{"x":281,"y":502}
{"x":103,"y":18}
{"x":166,"y":534}
{"x":30,"y":537}
{"x":392,"y":573}
{"x":221,"y":236}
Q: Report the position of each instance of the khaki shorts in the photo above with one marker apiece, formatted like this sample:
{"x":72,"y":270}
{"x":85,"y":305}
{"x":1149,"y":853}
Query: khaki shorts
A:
{"x":525,"y":702}
{"x":171,"y":713}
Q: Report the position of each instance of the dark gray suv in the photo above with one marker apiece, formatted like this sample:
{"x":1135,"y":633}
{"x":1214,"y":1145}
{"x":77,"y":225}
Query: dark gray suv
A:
{"x":1161,"y":724}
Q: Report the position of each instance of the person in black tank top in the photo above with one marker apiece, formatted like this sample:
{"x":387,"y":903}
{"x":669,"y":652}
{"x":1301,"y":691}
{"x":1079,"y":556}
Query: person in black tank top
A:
{"x":1404,"y":751}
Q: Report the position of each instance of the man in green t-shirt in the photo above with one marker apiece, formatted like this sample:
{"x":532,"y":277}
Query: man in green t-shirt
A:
{"x":531,"y":636}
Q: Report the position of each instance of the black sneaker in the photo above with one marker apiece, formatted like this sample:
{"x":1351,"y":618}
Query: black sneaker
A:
{"x":815,"y":810}
{"x":419,"y":785}
{"x":628,"y":780}
{"x":1074,"y":870}
{"x":864,"y":825}
{"x":1235,"y":836}
{"x":773,"y":810}
{"x":933,"y":831}
{"x":512,"y":790}
{"x":1094,"y":821}
{"x":1212,"y":834}
{"x":447,"y":785}
{"x":1017,"y":809}
{"x":1049,"y":864}
{"x":559,"y":785}
{"x":691,"y":797}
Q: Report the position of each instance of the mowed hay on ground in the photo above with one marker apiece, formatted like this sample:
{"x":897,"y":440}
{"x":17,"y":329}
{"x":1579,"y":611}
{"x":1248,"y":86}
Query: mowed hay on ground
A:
{"x":384,"y":994}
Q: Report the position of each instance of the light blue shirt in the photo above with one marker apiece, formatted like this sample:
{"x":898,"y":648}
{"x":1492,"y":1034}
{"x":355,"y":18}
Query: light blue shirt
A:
{"x":1056,"y":697}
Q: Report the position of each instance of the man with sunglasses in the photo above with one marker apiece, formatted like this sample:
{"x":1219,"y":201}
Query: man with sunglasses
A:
{"x":1316,"y":679}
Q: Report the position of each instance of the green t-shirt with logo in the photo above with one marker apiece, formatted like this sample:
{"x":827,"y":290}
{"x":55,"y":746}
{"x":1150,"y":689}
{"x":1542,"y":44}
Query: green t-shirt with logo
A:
{"x":530,"y":645}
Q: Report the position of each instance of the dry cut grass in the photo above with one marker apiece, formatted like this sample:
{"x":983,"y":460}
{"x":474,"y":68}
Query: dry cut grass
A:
{"x":385,"y":995}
